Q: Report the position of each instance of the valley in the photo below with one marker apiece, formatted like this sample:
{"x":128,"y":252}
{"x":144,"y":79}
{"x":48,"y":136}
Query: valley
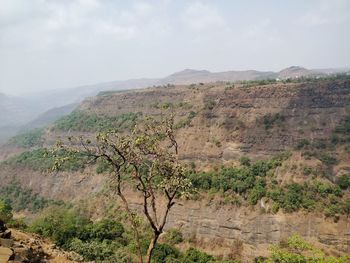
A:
{"x":267,"y":159}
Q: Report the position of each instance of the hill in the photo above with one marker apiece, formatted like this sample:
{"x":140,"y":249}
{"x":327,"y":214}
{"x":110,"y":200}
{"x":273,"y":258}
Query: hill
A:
{"x":19,"y":111}
{"x":262,"y":153}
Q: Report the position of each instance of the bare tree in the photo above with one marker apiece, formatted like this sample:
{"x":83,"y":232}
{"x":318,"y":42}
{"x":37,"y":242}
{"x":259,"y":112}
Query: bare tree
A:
{"x":146,"y":159}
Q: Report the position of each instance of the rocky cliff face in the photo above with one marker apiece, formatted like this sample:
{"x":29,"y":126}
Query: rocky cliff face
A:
{"x":211,"y":225}
{"x":230,"y":122}
{"x":226,"y":123}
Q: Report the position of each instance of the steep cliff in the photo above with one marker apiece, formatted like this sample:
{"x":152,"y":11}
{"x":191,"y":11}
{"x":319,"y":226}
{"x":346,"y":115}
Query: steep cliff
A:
{"x":217,"y":124}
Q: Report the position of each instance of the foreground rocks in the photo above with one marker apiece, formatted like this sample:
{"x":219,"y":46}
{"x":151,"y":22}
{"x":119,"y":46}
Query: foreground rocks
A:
{"x":20,"y":247}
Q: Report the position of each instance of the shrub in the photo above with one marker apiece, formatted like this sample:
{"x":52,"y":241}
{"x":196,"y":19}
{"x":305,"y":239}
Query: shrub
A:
{"x":99,"y":241}
{"x":193,"y":255}
{"x":165,"y":253}
{"x":302,"y":143}
{"x":256,"y":193}
{"x":5,"y":211}
{"x":343,"y":127}
{"x":94,"y":250}
{"x":328,"y":159}
{"x":297,"y":250}
{"x":60,"y":224}
{"x":270,"y":120}
{"x":343,"y":182}
{"x":106,"y":229}
{"x":173,"y":236}
{"x":245,"y":161}
{"x":209,"y":105}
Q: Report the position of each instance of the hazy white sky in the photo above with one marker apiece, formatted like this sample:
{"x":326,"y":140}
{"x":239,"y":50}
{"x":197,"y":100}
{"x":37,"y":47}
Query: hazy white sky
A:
{"x":50,"y":44}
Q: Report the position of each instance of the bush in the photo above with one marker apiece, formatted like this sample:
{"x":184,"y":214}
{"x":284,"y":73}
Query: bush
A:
{"x":173,"y":236}
{"x":164,"y":253}
{"x":256,"y":193}
{"x":245,"y":161}
{"x":270,"y":120}
{"x":209,"y":105}
{"x":59,"y":224}
{"x":99,"y":241}
{"x":297,"y":250}
{"x":344,"y":182}
{"x":193,"y":255}
{"x":302,"y":143}
{"x":94,"y":250}
{"x":5,"y":211}
{"x":106,"y":229}
{"x":343,"y":127}
{"x":328,"y":159}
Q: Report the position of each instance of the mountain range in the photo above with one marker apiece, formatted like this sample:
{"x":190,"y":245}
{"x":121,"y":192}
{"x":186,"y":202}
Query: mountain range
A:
{"x":27,"y":112}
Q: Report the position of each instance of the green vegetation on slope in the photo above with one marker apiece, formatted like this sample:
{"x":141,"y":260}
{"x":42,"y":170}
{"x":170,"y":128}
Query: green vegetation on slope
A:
{"x":43,"y":160}
{"x":28,"y":139}
{"x":249,"y":183}
{"x":253,"y":83}
{"x":88,"y":122}
{"x":110,"y":241}
{"x":106,"y":239}
{"x":20,"y":198}
{"x":297,"y":250}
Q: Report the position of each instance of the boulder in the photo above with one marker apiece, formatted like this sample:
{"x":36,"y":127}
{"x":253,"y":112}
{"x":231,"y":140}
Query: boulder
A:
{"x":6,"y":254}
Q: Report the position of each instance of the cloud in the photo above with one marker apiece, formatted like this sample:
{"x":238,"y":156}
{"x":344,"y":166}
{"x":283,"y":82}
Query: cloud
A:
{"x":326,"y":13}
{"x":54,"y":24}
{"x":257,"y":29}
{"x":200,"y":17}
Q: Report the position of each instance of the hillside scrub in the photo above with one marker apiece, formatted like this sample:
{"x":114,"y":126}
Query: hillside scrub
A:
{"x":19,"y":198}
{"x":107,"y":239}
{"x":89,"y":122}
{"x":43,"y":160}
{"x":28,"y":139}
{"x":146,"y":159}
{"x":253,"y":181}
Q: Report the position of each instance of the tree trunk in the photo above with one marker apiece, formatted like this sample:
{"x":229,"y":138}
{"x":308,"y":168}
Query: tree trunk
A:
{"x":151,"y":248}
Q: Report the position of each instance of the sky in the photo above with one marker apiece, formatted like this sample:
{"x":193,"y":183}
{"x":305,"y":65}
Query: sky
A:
{"x":53,"y":44}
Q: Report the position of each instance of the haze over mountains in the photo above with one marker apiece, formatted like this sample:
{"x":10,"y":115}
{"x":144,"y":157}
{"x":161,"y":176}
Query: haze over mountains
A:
{"x":30,"y":111}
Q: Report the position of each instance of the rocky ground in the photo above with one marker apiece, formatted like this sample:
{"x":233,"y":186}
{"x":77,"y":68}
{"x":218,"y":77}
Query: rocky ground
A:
{"x":17,"y":246}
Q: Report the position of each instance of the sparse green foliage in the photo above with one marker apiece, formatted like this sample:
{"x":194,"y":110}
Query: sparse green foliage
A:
{"x":24,"y":199}
{"x":28,"y":139}
{"x":327,"y":159}
{"x":344,"y":181}
{"x":209,"y":105}
{"x":94,"y":241}
{"x":273,"y":119}
{"x":186,"y":121}
{"x":302,"y":143}
{"x":146,"y":159}
{"x":89,"y":122}
{"x":299,"y":251}
{"x":173,"y":236}
{"x":245,"y":161}
{"x":5,"y":210}
{"x":43,"y":160}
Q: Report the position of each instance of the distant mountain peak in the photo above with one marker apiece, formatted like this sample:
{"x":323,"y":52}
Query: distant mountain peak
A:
{"x":294,"y":68}
{"x":188,"y":71}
